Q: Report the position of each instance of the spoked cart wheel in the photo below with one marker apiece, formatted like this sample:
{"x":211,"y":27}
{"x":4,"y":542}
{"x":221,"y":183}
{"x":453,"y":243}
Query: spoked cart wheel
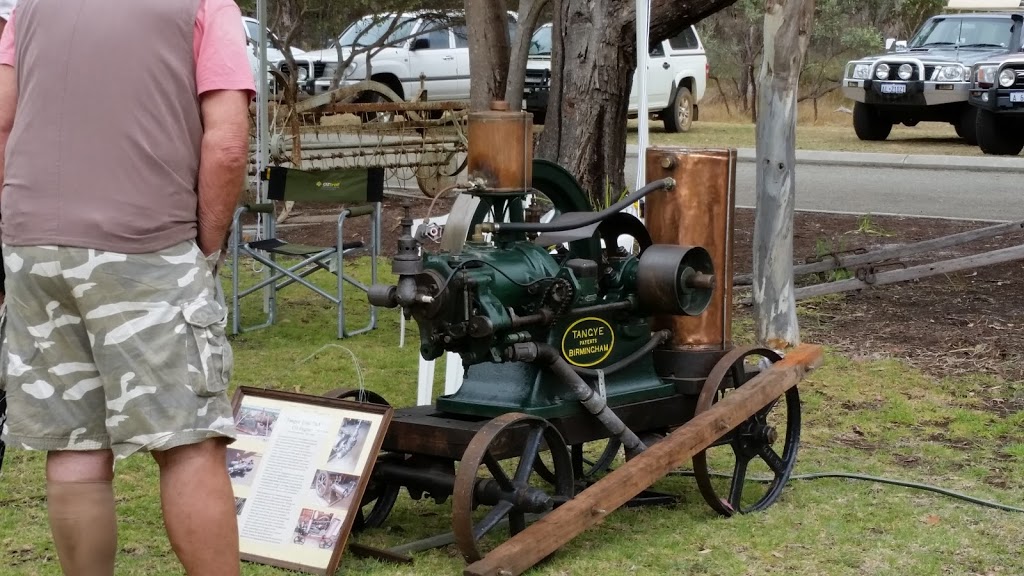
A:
{"x":586,"y":467}
{"x":482,"y":481}
{"x":763,"y":446}
{"x":379,"y":497}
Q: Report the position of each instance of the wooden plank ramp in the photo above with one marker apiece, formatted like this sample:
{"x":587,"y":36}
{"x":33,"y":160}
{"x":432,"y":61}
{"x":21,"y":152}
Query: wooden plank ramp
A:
{"x":589,"y":507}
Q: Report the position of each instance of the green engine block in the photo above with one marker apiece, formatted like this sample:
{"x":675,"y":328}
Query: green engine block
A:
{"x":487,"y":297}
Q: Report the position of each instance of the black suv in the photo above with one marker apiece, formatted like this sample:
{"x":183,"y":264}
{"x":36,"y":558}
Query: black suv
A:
{"x":997,"y":90}
{"x":928,"y":79}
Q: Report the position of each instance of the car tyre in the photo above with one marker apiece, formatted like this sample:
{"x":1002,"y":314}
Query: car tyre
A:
{"x":869,"y":124}
{"x":998,"y":136}
{"x":967,"y":126}
{"x":679,"y":116}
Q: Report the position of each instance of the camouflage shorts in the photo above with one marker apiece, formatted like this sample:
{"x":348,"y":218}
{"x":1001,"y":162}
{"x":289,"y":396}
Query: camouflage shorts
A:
{"x":120,"y":351}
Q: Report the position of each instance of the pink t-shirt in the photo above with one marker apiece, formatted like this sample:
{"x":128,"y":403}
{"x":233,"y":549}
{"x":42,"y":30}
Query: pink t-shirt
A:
{"x":218,"y":45}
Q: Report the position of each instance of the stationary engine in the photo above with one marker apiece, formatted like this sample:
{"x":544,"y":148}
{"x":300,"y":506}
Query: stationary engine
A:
{"x":506,"y":291}
{"x":489,"y":296}
{"x":573,"y":326}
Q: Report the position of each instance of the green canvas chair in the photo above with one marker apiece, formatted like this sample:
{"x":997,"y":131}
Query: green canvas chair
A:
{"x":361,"y":190}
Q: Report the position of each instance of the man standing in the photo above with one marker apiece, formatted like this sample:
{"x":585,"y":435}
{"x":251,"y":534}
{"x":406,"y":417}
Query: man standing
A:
{"x":6,"y":7}
{"x":124,"y":127}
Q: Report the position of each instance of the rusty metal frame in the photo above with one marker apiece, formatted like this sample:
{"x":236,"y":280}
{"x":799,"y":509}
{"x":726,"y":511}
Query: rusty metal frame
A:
{"x":414,"y":141}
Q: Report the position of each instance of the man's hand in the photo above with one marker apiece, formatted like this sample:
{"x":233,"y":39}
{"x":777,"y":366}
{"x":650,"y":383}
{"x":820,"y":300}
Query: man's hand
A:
{"x":222,"y":164}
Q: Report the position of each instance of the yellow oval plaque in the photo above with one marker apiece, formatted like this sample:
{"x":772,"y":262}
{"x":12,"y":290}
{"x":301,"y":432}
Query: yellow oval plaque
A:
{"x":588,"y":342}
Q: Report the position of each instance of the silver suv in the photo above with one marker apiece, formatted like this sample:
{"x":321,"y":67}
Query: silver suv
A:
{"x":928,"y":79}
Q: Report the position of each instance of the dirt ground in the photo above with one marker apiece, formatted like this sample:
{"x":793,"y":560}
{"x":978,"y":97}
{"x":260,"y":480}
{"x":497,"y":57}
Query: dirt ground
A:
{"x":956,"y":323}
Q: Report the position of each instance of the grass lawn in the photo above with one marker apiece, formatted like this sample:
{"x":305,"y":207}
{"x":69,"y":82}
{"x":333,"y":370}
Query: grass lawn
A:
{"x":922,"y":139}
{"x":832,"y":129}
{"x":871,"y":417}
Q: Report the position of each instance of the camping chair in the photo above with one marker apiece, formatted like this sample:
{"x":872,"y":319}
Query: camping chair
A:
{"x":361,"y":186}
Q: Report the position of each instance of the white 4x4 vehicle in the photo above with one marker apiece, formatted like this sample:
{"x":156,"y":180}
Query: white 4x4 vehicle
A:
{"x":423,"y":49}
{"x":274,"y":56}
{"x":677,"y":75}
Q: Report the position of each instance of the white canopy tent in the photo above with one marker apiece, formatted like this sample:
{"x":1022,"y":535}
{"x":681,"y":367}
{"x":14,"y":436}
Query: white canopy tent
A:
{"x":643,"y":32}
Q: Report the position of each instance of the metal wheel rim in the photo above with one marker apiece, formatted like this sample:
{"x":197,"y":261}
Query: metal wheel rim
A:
{"x":683,"y":111}
{"x":584,"y":470}
{"x":467,"y":534}
{"x":374,"y":97}
{"x":363,"y":396}
{"x":379,"y":497}
{"x":713,"y":384}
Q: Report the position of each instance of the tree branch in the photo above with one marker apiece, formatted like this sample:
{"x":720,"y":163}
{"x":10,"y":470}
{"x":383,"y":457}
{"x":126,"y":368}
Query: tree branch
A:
{"x":488,"y":51}
{"x":529,"y":15}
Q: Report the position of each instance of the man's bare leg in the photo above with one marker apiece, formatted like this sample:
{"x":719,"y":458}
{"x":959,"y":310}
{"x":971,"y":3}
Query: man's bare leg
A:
{"x":80,"y":505}
{"x":199,"y":508}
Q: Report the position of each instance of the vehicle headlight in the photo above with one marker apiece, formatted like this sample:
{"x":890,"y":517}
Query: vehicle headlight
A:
{"x":1007,"y":77}
{"x":951,"y":74}
{"x":861,"y":71}
{"x":330,"y":70}
{"x":882,"y":72}
{"x":905,"y":71}
{"x":986,"y":75}
{"x":301,"y":73}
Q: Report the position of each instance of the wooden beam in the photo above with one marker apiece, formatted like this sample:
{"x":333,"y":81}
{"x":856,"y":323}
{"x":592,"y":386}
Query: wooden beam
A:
{"x":829,"y":262}
{"x":590,"y":507}
{"x":915,"y":272}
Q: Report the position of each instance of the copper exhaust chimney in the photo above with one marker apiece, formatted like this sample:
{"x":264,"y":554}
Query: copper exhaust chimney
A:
{"x":699,"y":211}
{"x":501,"y":148}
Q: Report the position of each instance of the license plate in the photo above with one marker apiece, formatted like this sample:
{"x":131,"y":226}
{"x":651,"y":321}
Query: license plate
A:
{"x":893,"y":88}
{"x":1016,"y":96}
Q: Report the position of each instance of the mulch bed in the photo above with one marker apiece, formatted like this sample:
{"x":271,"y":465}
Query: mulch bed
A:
{"x":965,"y":322}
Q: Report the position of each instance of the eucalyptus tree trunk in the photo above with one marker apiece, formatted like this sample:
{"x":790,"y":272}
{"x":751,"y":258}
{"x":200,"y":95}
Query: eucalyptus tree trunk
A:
{"x":529,"y":14}
{"x":487,"y":22}
{"x":592,"y":63}
{"x":786,"y":33}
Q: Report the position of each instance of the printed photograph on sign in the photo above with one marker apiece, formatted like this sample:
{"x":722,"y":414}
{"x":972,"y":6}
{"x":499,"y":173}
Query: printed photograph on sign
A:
{"x":258,"y":422}
{"x":334,"y":489}
{"x":242,"y":465}
{"x":318,"y":528}
{"x":348,"y":445}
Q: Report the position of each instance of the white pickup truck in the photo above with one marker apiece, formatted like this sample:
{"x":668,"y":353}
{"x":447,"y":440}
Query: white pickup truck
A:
{"x":677,"y":75}
{"x":422,"y":50}
{"x":274,"y":56}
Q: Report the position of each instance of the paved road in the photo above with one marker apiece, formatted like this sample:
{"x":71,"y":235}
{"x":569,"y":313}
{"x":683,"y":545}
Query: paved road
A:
{"x":994,"y":195}
{"x":974,"y":188}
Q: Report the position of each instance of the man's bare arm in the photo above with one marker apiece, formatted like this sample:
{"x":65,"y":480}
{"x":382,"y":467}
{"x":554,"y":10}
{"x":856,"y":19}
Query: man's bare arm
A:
{"x":222,"y":164}
{"x":8,"y":103}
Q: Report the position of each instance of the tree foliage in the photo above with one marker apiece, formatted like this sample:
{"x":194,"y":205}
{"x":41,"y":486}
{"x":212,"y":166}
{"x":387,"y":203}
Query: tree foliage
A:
{"x":843,"y":30}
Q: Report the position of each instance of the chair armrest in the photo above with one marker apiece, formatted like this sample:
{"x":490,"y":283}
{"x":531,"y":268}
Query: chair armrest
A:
{"x":363,"y":210}
{"x":264,"y":208}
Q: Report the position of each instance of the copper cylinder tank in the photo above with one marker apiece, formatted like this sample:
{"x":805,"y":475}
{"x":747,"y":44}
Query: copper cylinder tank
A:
{"x":699,"y":211}
{"x":501,"y":148}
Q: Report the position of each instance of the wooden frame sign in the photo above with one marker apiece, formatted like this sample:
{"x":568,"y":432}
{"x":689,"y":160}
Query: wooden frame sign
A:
{"x":298,"y":469}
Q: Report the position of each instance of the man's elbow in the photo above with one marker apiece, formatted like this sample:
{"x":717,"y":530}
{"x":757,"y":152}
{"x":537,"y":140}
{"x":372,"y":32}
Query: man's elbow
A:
{"x":228,"y":150}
